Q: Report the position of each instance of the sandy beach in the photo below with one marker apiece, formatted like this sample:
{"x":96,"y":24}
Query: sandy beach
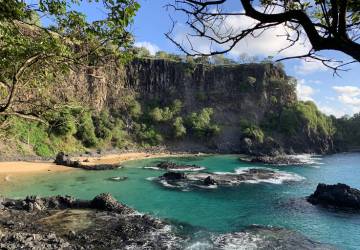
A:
{"x":37,"y":167}
{"x":120,"y":158}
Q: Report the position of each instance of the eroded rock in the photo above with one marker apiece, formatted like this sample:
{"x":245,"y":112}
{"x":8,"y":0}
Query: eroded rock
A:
{"x":338,"y":195}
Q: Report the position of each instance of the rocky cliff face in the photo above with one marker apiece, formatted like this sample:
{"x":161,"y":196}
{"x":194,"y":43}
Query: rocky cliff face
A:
{"x":238,"y":92}
{"x":234,"y":92}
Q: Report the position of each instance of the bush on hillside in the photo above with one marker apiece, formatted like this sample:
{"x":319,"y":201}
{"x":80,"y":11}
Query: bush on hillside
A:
{"x":62,"y":123}
{"x":200,"y":124}
{"x":304,"y":116}
{"x":179,"y":128}
{"x":86,"y":130}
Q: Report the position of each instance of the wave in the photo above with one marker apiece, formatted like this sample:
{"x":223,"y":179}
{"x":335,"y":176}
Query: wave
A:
{"x":189,"y":169}
{"x":206,"y":180}
{"x":308,"y":159}
{"x":259,"y":237}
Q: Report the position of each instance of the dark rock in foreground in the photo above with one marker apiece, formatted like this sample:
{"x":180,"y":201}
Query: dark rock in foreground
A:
{"x":65,"y":160}
{"x":63,"y":222}
{"x":339,"y":195}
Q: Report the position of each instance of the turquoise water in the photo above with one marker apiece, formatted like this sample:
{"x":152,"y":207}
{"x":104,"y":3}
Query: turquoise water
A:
{"x":220,"y":210}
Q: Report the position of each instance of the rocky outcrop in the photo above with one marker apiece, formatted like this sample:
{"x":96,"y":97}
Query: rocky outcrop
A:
{"x":205,"y":180}
{"x":63,"y":222}
{"x":174,"y":176}
{"x":171,"y":166}
{"x":277,"y":160}
{"x":338,"y":195}
{"x":65,"y":160}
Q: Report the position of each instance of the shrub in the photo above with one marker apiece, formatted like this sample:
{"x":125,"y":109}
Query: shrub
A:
{"x":62,"y":123}
{"x":120,"y":137}
{"x":148,"y":136}
{"x":200,"y":123}
{"x":86,"y":130}
{"x":103,"y":125}
{"x":31,"y":133}
{"x":255,"y":133}
{"x":304,"y":116}
{"x":179,"y":128}
{"x":165,"y":114}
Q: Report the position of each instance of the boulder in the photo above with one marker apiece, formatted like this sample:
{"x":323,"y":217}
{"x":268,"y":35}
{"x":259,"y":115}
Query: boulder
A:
{"x":106,"y":202}
{"x":171,"y":166}
{"x":208,"y":181}
{"x":64,"y":160}
{"x":174,"y":176}
{"x":338,"y":195}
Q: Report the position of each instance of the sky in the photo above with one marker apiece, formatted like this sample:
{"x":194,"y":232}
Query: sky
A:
{"x":336,"y":95}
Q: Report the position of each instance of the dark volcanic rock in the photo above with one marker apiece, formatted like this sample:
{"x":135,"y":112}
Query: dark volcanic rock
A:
{"x":64,"y":160}
{"x":23,"y":240}
{"x":63,"y":222}
{"x":339,"y":195}
{"x":170,"y":166}
{"x":277,"y":160}
{"x":107,"y":203}
{"x":173,"y":176}
{"x":209,"y":181}
{"x":253,"y":175}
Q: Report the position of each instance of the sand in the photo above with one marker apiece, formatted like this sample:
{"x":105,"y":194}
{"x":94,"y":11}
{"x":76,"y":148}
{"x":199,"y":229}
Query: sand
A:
{"x":21,"y":167}
{"x":120,"y":158}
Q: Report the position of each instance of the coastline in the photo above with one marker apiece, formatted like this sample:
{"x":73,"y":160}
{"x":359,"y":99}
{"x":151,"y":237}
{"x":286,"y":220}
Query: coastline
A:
{"x":13,"y":169}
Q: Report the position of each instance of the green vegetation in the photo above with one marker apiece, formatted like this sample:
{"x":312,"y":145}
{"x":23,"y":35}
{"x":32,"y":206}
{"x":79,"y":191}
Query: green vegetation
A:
{"x":200,"y":124}
{"x":166,"y":114}
{"x":34,"y":56}
{"x":147,"y":135}
{"x":347,"y":131}
{"x":304,"y":116}
{"x":179,"y":128}
{"x":252,"y":131}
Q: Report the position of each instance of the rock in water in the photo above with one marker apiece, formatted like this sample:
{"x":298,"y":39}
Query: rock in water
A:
{"x":174,"y":176}
{"x":208,"y":181}
{"x":339,"y":195}
{"x":170,"y":166}
{"x":107,"y":203}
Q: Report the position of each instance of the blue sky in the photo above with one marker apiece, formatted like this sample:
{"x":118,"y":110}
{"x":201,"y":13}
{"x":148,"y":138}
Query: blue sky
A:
{"x":333,"y":94}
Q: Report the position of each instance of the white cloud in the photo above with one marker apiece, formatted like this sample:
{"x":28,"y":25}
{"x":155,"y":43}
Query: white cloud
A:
{"x":152,"y":48}
{"x":304,"y":92}
{"x":266,"y":43}
{"x":330,"y":110}
{"x":309,"y":66}
{"x":349,"y":95}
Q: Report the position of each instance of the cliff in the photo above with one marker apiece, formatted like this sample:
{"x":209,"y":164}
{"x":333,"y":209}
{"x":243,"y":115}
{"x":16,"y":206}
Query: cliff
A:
{"x":237,"y":93}
{"x":254,"y":109}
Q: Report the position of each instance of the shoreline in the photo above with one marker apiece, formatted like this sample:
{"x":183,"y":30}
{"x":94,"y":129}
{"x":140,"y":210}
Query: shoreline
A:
{"x":10,"y":169}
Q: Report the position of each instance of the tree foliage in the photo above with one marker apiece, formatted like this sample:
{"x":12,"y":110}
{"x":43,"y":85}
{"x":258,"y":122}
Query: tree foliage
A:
{"x":32,"y":54}
{"x":305,"y":117}
{"x":200,"y":124}
{"x":327,"y":25}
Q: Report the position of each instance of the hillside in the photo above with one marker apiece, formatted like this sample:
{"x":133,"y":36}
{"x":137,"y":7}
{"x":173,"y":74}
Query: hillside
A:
{"x":248,"y":108}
